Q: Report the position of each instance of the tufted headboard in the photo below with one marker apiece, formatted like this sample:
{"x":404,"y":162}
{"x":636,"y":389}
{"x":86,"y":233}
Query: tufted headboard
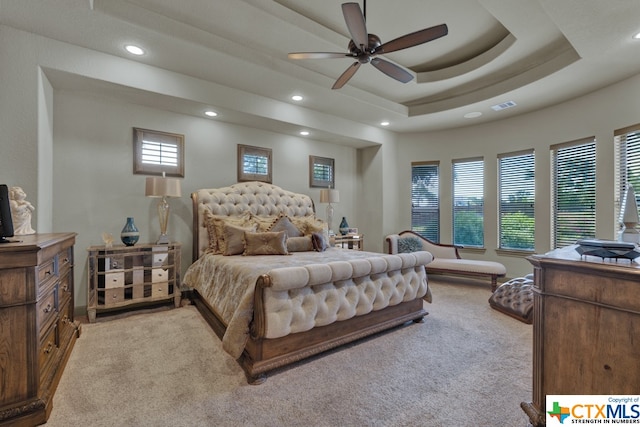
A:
{"x":259,"y":198}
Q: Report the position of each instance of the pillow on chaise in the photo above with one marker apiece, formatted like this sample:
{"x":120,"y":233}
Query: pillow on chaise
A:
{"x":409,"y":244}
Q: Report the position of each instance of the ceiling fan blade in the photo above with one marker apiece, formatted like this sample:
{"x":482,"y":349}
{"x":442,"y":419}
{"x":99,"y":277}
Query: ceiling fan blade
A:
{"x":356,"y":24}
{"x":413,"y":39}
{"x":392,"y":70}
{"x":317,"y":55}
{"x":344,"y":78}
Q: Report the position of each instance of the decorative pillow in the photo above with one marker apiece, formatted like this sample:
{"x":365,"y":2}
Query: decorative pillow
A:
{"x":268,"y":243}
{"x":310,"y":224}
{"x":409,"y":244}
{"x":215,"y":224}
{"x":300,"y":244}
{"x":284,"y":224}
{"x":233,"y":243}
{"x":320,"y":244}
{"x":263,"y":222}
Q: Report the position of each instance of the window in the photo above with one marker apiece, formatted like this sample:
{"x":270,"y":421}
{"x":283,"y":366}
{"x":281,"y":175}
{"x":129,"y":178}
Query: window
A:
{"x":627,"y":149}
{"x":573,"y":177}
{"x":516,"y":187}
{"x":156,"y":152}
{"x":425,"y":201}
{"x":468,"y":202}
{"x":254,"y":163}
{"x":321,"y":172}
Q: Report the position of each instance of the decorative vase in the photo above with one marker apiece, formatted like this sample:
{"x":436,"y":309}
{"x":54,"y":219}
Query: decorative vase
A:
{"x":344,"y":226}
{"x":130,"y":233}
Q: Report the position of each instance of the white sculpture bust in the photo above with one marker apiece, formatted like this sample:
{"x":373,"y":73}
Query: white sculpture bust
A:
{"x":21,"y":211}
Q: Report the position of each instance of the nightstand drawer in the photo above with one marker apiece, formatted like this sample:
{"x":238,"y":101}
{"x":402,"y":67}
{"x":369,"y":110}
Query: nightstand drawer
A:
{"x":159,"y":290}
{"x":113,"y":296}
{"x":160,"y":259}
{"x":114,"y":279}
{"x":159,"y":275}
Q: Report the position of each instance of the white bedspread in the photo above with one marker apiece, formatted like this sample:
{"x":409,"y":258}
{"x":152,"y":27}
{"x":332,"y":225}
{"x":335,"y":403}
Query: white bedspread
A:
{"x":359,"y":282}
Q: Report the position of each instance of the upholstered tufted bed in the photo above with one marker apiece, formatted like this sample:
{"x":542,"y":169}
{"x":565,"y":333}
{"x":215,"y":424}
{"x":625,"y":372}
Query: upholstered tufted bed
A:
{"x":265,"y":280}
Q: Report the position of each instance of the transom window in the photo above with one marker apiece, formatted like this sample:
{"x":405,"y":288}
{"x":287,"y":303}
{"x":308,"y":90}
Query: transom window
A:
{"x":254,"y":163}
{"x":158,"y":152}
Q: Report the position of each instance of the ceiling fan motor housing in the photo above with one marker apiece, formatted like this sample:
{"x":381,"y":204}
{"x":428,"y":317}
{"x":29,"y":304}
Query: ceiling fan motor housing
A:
{"x":374,"y":43}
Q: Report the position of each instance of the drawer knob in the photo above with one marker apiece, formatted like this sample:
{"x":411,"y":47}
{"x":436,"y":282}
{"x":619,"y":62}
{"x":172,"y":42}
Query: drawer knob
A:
{"x":47,"y":309}
{"x":49,"y":348}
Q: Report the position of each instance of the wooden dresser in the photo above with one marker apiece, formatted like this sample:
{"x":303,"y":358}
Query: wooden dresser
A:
{"x":586,"y":328}
{"x":37,"y":327}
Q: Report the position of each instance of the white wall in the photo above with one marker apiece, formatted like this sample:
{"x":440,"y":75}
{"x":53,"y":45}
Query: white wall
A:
{"x":95,"y":188}
{"x":597,"y":114}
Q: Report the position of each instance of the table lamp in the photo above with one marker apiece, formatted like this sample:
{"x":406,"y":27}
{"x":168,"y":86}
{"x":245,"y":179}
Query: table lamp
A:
{"x":163,"y":187}
{"x":329,"y":196}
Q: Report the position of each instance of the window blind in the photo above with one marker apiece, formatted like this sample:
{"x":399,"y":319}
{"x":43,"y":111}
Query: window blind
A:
{"x":574,"y":192}
{"x":468,"y":202}
{"x":627,"y":151}
{"x":516,"y":187}
{"x":425,"y":200}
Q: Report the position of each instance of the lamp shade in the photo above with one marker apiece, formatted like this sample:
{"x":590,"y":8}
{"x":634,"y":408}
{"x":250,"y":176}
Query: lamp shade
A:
{"x":157,"y":186}
{"x":329,"y":196}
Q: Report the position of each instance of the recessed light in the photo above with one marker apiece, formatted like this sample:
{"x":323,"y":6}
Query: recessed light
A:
{"x":134,"y":50}
{"x":636,"y":36}
{"x":472,"y":115}
{"x":384,"y":123}
{"x":297,"y":97}
{"x":210,"y":113}
{"x":304,"y":132}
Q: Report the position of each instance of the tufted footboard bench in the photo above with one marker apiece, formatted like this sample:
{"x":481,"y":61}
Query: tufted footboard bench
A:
{"x":446,"y":259}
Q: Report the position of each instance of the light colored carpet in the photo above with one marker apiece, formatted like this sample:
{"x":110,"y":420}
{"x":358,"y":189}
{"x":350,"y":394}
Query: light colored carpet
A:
{"x":466,"y":365}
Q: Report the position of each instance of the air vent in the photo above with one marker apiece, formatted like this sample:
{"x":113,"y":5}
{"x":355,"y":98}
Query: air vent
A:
{"x":504,"y":106}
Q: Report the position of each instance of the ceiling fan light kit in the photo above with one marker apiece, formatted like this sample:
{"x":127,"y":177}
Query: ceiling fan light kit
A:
{"x":365,"y":47}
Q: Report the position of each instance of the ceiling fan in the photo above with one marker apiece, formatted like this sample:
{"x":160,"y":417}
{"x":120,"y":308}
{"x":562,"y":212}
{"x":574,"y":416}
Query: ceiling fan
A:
{"x":365,"y":47}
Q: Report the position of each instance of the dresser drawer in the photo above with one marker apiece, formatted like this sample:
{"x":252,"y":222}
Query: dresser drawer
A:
{"x":47,"y":310}
{"x":66,"y":326}
{"x":65,"y":260}
{"x":48,"y":349}
{"x":47,"y":274}
{"x":65,"y":289}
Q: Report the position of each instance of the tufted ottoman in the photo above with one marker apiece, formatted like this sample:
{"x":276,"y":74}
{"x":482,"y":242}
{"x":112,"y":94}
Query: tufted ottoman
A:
{"x":515,"y":298}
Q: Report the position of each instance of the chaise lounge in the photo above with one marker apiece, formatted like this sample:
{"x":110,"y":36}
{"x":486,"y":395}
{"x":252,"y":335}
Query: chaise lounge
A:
{"x":446,"y":259}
